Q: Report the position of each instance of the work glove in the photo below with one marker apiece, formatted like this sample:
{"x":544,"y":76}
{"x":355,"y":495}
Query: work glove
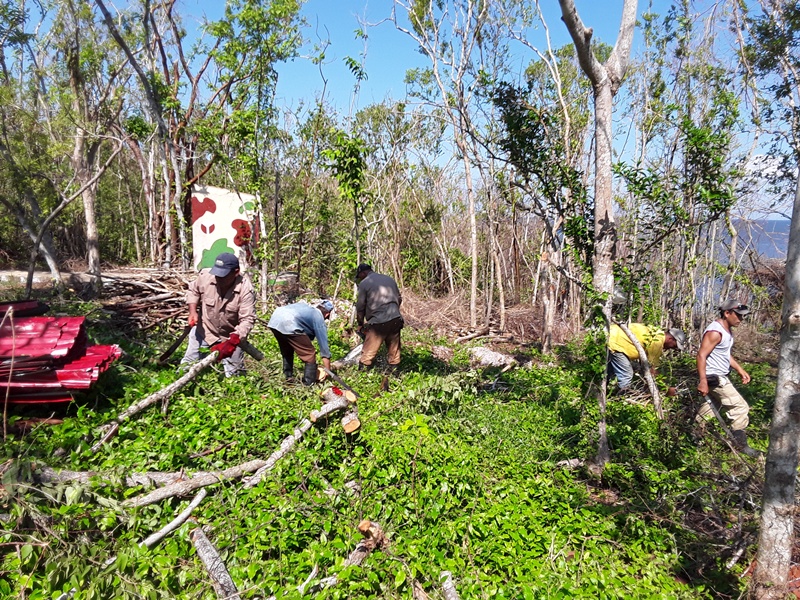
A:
{"x":226,"y":348}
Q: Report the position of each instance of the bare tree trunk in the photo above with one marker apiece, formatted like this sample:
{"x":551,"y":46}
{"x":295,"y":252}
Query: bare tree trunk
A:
{"x":46,"y":247}
{"x":606,"y":79}
{"x":776,"y":539}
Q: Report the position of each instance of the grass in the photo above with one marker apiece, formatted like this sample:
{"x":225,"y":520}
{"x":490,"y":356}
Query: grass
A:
{"x":463,"y":476}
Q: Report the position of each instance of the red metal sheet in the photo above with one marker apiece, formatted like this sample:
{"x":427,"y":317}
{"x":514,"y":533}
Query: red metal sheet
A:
{"x":45,"y":359}
{"x":77,"y":374}
{"x":57,"y":337}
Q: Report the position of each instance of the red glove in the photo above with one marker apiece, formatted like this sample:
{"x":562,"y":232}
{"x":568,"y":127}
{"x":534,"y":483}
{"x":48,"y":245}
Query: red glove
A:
{"x":226,"y":349}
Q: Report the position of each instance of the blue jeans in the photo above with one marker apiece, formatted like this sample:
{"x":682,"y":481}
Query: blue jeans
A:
{"x":233,"y":365}
{"x":620,"y":366}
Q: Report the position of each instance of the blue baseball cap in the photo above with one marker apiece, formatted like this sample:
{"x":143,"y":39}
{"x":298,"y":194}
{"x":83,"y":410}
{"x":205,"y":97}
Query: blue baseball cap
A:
{"x":326,"y":305}
{"x":225,"y":263}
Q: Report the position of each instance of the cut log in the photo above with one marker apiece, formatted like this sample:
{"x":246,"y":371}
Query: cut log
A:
{"x":216,"y":569}
{"x":182,"y":488}
{"x":333,"y":394}
{"x":448,"y":587}
{"x":110,"y":429}
{"x":340,"y":403}
{"x":374,"y":538}
{"x":352,"y":358}
{"x":350,"y":422}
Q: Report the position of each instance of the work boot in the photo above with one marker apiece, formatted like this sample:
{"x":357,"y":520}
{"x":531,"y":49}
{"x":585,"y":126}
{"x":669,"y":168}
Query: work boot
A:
{"x":288,"y":368}
{"x":363,"y":367}
{"x":310,"y":373}
{"x":740,"y":442}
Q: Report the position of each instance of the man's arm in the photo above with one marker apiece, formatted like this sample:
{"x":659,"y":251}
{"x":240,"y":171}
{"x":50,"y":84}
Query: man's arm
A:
{"x":742,"y":373}
{"x":192,"y":299}
{"x":321,"y":333}
{"x":247,"y":309}
{"x":361,"y":304}
{"x":708,"y":343}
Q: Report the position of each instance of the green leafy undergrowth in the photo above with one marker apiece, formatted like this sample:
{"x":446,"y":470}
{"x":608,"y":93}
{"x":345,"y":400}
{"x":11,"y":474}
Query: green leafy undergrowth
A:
{"x":458,"y":466}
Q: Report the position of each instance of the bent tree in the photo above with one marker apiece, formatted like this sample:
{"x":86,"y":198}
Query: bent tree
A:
{"x":606,"y":79}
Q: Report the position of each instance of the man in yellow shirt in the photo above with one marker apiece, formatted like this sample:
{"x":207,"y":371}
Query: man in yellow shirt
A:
{"x":622,"y":352}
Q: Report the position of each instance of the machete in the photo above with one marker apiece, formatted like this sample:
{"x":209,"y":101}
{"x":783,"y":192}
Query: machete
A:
{"x":720,"y":420}
{"x":338,"y":380}
{"x":163,"y":358}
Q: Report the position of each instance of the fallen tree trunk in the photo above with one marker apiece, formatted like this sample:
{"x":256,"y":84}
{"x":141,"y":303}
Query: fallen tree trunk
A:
{"x":337,"y":399}
{"x":45,"y":474}
{"x":181,"y":488}
{"x":286,"y":446}
{"x":216,"y":569}
{"x":110,"y":429}
{"x":338,"y":403}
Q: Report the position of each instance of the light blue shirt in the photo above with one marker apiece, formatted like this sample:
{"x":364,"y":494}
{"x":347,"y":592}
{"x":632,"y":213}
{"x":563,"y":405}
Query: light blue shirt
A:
{"x":299,"y":318}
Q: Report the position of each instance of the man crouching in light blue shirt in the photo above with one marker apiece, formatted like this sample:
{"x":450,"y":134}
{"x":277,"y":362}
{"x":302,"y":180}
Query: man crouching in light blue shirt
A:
{"x":295,"y":326}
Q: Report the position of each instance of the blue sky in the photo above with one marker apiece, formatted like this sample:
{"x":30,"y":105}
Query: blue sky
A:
{"x":389,"y":53}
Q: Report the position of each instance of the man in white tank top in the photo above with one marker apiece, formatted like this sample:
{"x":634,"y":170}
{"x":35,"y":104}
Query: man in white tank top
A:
{"x":714,"y":362}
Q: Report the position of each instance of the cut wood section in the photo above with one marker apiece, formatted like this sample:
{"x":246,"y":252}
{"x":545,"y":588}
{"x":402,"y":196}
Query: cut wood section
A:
{"x":340,"y":403}
{"x":182,"y":488}
{"x":110,"y":429}
{"x":374,"y":538}
{"x":352,"y":358}
{"x":216,"y":569}
{"x":333,"y":394}
{"x":351,"y":422}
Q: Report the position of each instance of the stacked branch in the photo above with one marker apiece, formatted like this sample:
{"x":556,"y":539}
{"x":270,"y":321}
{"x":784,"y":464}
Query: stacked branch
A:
{"x":141,"y":299}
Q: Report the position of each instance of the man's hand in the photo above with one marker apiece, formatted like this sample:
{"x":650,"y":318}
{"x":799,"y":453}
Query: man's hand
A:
{"x":702,"y":386}
{"x":228,"y":347}
{"x":745,"y":377}
{"x":193,"y":317}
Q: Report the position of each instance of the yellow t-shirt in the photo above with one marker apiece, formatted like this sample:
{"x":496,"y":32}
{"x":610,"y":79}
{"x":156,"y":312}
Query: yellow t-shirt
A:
{"x":651,"y":338}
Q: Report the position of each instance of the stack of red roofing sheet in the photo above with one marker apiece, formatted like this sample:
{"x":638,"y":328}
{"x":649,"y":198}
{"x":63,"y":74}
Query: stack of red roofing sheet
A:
{"x":47,"y":359}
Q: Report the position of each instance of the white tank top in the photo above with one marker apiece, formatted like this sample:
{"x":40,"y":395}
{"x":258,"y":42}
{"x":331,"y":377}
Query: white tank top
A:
{"x":719,"y":361}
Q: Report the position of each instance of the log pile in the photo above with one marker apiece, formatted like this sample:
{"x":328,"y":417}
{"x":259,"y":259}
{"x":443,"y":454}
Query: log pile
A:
{"x":141,"y":299}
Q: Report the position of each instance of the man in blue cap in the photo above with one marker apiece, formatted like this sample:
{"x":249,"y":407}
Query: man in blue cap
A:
{"x":295,"y":326}
{"x":227,"y":315}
